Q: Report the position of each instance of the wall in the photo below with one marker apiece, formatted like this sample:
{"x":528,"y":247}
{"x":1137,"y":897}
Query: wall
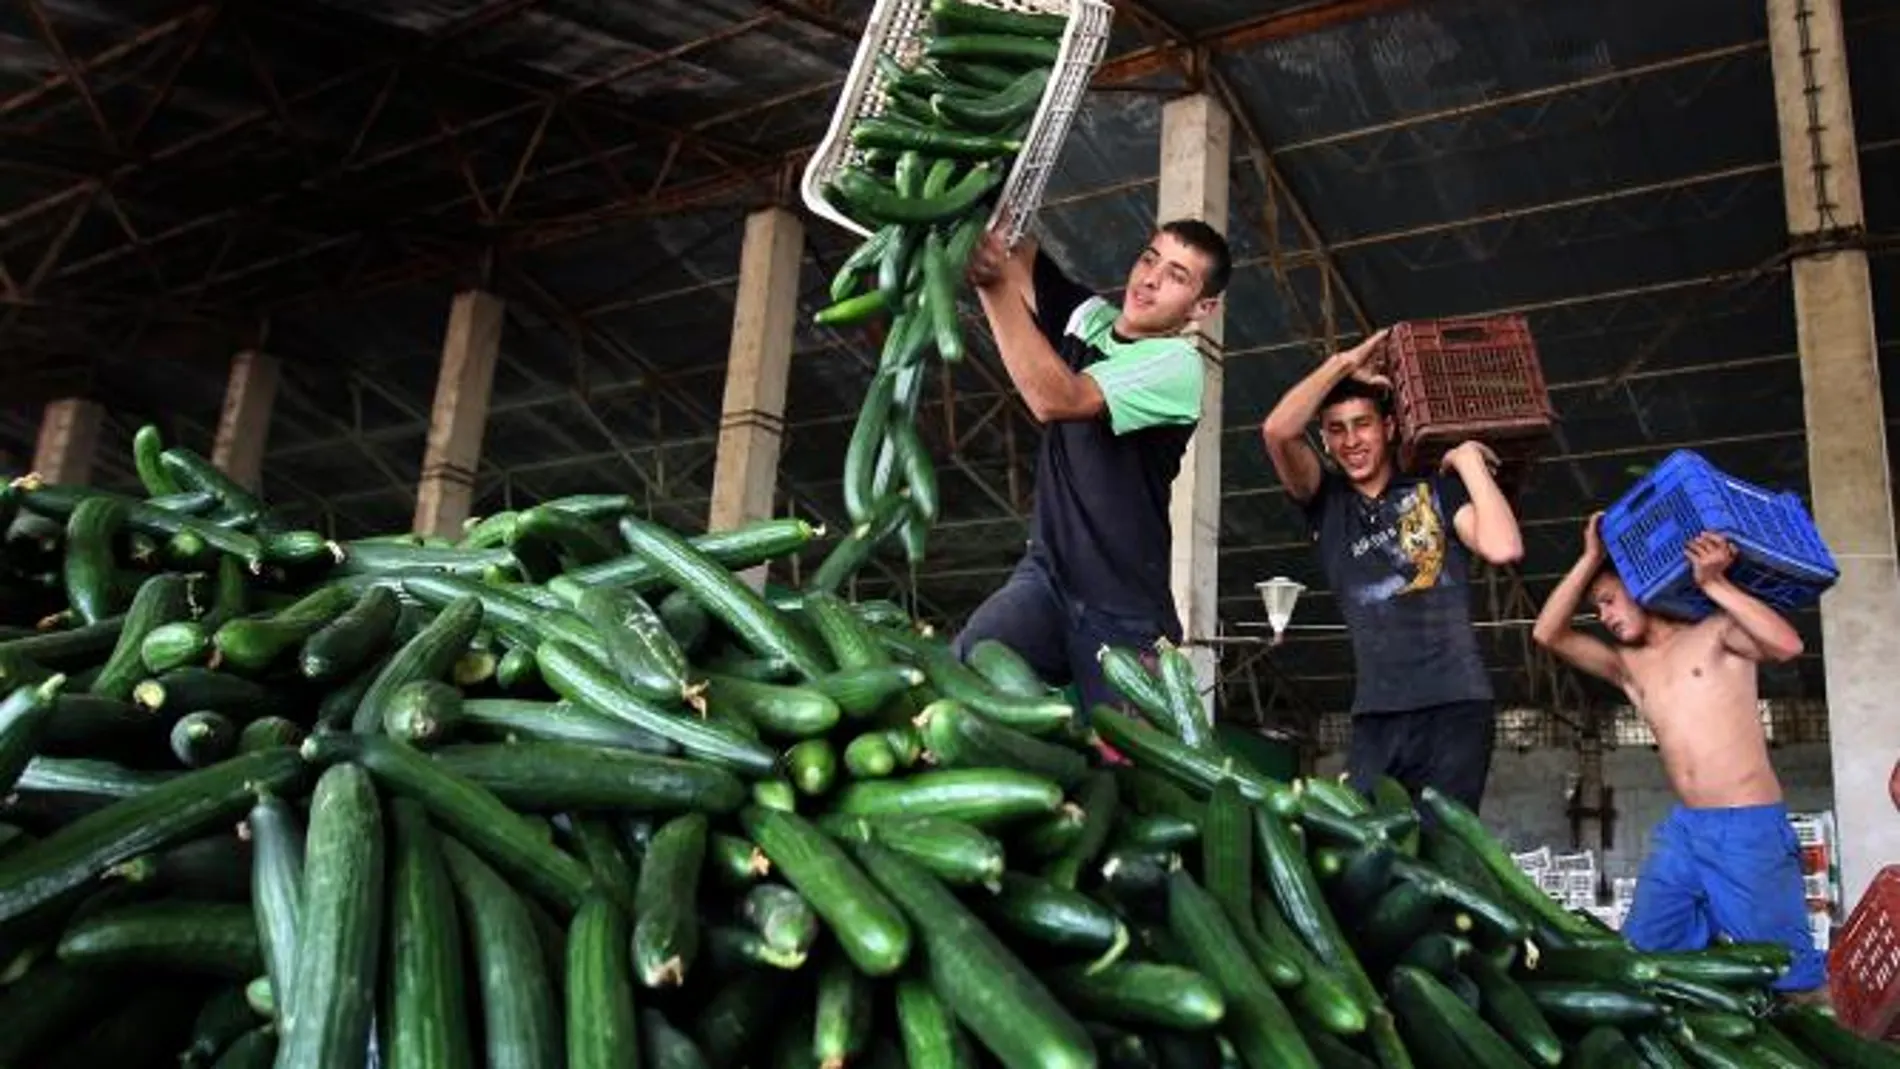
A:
{"x":1524,"y":799}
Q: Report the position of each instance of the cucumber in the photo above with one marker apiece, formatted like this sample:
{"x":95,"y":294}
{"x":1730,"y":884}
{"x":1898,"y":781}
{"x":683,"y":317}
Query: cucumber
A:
{"x":547,"y":531}
{"x":510,"y":719}
{"x":203,"y":938}
{"x":1712,"y":1053}
{"x":1820,"y":1034}
{"x":184,"y":689}
{"x":1034,"y":716}
{"x":782,"y":918}
{"x":735,"y":550}
{"x":24,"y":717}
{"x":1042,"y":913}
{"x":252,"y":644}
{"x":861,"y":692}
{"x":421,"y":712}
{"x":1496,"y":919}
{"x":277,"y":849}
{"x":203,"y":738}
{"x":961,"y":738}
{"x":256,"y":1049}
{"x":639,"y":648}
{"x":424,"y":1023}
{"x":852,"y":643}
{"x":75,"y":649}
{"x":737,"y":1017}
{"x":147,"y":446}
{"x":50,"y":1002}
{"x":988,"y":989}
{"x":1707,"y":968}
{"x":1186,"y":717}
{"x":473,"y":815}
{"x":1099,"y":797}
{"x":558,"y":776}
{"x":333,"y":994}
{"x":955,"y":17}
{"x":735,"y":863}
{"x":1512,"y":1012}
{"x":1397,"y":919}
{"x":1443,"y":1028}
{"x":1657,"y":1052}
{"x":666,"y":934}
{"x":931,"y":1037}
{"x":1141,"y":993}
{"x":954,"y":852}
{"x":869,"y":928}
{"x":1010,"y":47}
{"x":1196,"y":769}
{"x":268,"y":731}
{"x":515,"y":618}
{"x":983,"y":797}
{"x":1591,"y":1004}
{"x":223,"y":1017}
{"x":588,"y":684}
{"x":812,"y":766}
{"x":429,"y":655}
{"x":723,"y":595}
{"x":602,"y":1024}
{"x":517,"y":671}
{"x":781,"y":711}
{"x":841,"y":1028}
{"x":775,"y":794}
{"x":1608,"y":965}
{"x":173,"y":645}
{"x":666,"y":1047}
{"x":870,"y":756}
{"x":1005,"y":669}
{"x":521,"y":1020}
{"x":89,"y":568}
{"x":1157,"y":831}
{"x":605,"y":851}
{"x":162,"y":599}
{"x":1462,"y":823}
{"x":238,"y":506}
{"x":1262,"y":1031}
{"x":188,"y":805}
{"x":1227,"y":855}
{"x":1048,"y":837}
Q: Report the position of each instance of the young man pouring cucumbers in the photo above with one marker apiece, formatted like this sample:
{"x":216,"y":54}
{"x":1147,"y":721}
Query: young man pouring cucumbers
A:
{"x":1117,"y":390}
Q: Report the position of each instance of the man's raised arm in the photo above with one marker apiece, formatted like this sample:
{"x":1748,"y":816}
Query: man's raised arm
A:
{"x":1553,"y":631}
{"x":1294,"y":460}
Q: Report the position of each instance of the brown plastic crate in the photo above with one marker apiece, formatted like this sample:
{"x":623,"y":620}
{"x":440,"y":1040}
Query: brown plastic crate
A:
{"x":1460,"y":379}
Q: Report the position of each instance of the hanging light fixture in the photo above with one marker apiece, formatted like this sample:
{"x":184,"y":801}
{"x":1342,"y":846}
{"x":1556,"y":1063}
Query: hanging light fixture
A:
{"x":1280,"y":595}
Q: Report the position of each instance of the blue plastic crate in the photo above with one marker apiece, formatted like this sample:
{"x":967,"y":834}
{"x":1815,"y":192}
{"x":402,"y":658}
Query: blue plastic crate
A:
{"x":1782,"y":559}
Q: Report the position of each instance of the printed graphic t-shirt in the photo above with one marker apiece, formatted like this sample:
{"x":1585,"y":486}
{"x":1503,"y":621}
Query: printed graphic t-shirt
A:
{"x":1402,"y":577}
{"x":1102,"y":485}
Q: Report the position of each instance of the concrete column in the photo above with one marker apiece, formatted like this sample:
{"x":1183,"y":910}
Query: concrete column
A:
{"x":469,"y":351}
{"x":752,"y":417}
{"x":244,"y":422}
{"x":1196,"y":144}
{"x":69,"y":436}
{"x":1847,"y":447}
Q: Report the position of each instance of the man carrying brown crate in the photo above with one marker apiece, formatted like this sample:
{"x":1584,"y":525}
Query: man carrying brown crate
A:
{"x":1725,"y":861}
{"x":1396,"y":550}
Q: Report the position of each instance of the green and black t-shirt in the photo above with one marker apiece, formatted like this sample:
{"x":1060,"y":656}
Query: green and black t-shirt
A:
{"x":1102,"y":485}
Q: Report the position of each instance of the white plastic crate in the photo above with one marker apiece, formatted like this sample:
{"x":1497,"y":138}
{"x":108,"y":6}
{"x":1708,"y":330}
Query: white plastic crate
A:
{"x":897,"y":28}
{"x":1810,"y":829}
{"x":1533,"y":861}
{"x":1583,"y":862}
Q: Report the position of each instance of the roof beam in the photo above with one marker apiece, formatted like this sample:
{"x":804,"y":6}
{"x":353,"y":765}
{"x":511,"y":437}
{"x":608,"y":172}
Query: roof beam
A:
{"x":1177,"y":54}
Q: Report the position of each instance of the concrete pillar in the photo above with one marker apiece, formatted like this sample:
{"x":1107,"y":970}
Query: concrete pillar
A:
{"x":1196,"y":144}
{"x":244,"y":422}
{"x":469,"y":351}
{"x":1847,"y":447}
{"x":752,"y":417}
{"x":69,"y":436}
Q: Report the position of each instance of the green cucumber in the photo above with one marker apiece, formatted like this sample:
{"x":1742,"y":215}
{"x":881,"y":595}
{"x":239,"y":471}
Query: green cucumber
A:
{"x":184,"y":689}
{"x":147,"y":446}
{"x":957,"y":16}
{"x":589,"y":685}
{"x":421,"y":712}
{"x":521,"y":1019}
{"x":1701,"y":967}
{"x":1099,"y":797}
{"x":1009,"y":47}
{"x":852,"y":643}
{"x":238,"y":507}
{"x":870,"y":756}
{"x":956,"y":681}
{"x":1227,"y":854}
{"x":178,"y":644}
{"x":639,"y":648}
{"x":204,"y":938}
{"x":867,"y":925}
{"x":782,"y":711}
{"x":666,"y":1047}
{"x":24,"y":717}
{"x":1502,"y":924}
{"x":931,"y":1037}
{"x":1822,"y":1035}
{"x":841,"y":1027}
{"x":269,"y":731}
{"x":559,"y":776}
{"x":1196,"y":769}
{"x":277,"y":849}
{"x":736,"y":550}
{"x":666,"y":933}
{"x":252,"y":644}
{"x":781,"y":916}
{"x":602,"y":1024}
{"x":860,"y":692}
{"x":986,"y":986}
{"x":544,"y":529}
{"x":1154,"y":831}
{"x":512,"y":719}
{"x":203,"y":738}
{"x":187,"y":805}
{"x":1296,"y":892}
{"x":1462,"y":823}
{"x":1513,"y":1013}
{"x":429,"y":655}
{"x":1141,"y":993}
{"x":1051,"y":835}
{"x":1005,"y":669}
{"x":961,"y":738}
{"x":333,"y":995}
{"x":723,"y":594}
{"x":1256,"y":1021}
{"x":605,"y":851}
{"x":475,"y":816}
{"x":161,"y":600}
{"x":1187,"y":717}
{"x":775,"y":794}
{"x":1322,"y":996}
{"x":1428,"y":1008}
{"x":845,"y":282}
{"x":983,"y":797}
{"x":954,"y":852}
{"x":813,"y":766}
{"x":1042,"y":913}
{"x":1657,"y":1051}
{"x":424,"y":1023}
{"x":89,"y":568}
{"x":223,"y":1017}
{"x":734,"y":863}
{"x":1588,"y":1004}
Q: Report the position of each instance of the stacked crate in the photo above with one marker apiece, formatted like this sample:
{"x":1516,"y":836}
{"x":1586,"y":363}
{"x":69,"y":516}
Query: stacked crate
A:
{"x":1457,"y":380}
{"x":1820,"y":874}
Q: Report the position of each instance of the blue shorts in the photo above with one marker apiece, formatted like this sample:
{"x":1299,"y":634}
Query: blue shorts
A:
{"x":1726,"y":872}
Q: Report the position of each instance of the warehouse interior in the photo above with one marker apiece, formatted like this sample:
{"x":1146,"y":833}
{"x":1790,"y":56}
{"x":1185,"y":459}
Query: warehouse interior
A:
{"x":198,"y":193}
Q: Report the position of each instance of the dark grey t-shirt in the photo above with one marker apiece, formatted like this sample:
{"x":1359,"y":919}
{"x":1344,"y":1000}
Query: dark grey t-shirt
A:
{"x":1402,"y":577}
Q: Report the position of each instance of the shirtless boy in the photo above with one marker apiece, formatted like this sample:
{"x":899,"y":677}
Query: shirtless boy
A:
{"x":1725,"y":860}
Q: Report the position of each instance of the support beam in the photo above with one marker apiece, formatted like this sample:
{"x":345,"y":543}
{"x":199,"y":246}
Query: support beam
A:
{"x":1196,"y":144}
{"x":69,"y":437}
{"x":752,"y":417}
{"x":1847,"y":446}
{"x":469,"y":353}
{"x":244,"y":421}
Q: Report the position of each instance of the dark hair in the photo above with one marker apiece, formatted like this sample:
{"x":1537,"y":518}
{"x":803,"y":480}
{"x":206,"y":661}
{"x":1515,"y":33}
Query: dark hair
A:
{"x":1208,"y":241}
{"x":1350,"y":389}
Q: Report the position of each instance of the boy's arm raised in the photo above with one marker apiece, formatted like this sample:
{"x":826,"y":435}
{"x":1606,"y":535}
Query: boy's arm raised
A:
{"x":1755,"y":630}
{"x":1553,"y":631}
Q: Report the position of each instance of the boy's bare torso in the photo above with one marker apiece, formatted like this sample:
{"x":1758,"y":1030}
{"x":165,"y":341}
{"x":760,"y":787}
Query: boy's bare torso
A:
{"x":1700,"y":699}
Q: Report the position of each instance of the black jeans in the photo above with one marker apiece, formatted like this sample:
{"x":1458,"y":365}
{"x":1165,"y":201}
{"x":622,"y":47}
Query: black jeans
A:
{"x":1443,"y":746}
{"x":1057,"y":634}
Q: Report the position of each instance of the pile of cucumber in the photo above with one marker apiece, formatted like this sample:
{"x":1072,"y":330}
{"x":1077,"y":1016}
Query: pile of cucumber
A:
{"x":569,"y":792}
{"x":932,"y":163}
